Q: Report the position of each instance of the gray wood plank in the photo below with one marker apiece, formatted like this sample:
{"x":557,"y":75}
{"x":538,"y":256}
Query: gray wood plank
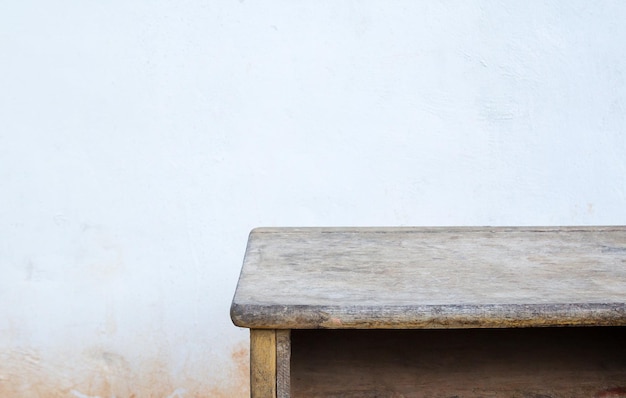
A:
{"x":432,"y":277}
{"x":283,"y":363}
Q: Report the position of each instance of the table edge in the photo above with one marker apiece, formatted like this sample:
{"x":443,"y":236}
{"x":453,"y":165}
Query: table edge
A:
{"x":461,"y":316}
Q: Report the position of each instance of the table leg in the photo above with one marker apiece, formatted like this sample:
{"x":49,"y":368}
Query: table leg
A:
{"x":262,"y":363}
{"x":283,"y":363}
{"x":270,"y":357}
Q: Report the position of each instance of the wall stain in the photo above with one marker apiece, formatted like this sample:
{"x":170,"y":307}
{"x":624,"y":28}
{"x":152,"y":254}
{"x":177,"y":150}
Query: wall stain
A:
{"x":590,"y":208}
{"x":25,"y":374}
{"x":238,"y":382}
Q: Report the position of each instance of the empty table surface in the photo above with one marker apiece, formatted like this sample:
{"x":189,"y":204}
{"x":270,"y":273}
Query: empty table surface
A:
{"x":408,"y":278}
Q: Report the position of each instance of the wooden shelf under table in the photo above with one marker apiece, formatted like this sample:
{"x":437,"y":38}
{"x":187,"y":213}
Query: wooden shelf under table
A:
{"x":469,"y":363}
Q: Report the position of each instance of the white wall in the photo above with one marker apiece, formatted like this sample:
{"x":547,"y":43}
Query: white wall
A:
{"x":140,"y":141}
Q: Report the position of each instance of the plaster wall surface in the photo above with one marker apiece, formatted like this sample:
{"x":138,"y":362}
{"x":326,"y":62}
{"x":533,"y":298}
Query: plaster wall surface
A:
{"x":140,"y":141}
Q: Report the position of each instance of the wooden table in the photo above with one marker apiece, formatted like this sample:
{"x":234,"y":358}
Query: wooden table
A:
{"x":435,"y":312}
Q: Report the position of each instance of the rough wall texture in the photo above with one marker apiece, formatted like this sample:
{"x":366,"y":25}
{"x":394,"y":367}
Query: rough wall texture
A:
{"x":98,"y":373}
{"x":141,"y":141}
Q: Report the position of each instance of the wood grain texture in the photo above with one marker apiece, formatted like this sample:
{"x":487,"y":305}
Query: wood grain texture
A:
{"x":432,"y":277}
{"x":464,"y":363}
{"x":283,"y":363}
{"x":262,"y":363}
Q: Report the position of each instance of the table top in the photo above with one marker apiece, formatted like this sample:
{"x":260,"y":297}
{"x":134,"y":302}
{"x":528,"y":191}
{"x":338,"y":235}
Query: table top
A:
{"x":410,"y":278}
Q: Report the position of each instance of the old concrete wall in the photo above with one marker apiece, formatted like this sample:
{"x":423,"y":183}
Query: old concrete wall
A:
{"x":140,"y":141}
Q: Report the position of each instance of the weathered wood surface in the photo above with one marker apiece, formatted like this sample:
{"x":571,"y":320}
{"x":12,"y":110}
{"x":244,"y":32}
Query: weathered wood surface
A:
{"x":270,"y":363}
{"x":262,"y":363}
{"x":464,"y":363}
{"x":432,"y":277}
{"x":283,"y":364}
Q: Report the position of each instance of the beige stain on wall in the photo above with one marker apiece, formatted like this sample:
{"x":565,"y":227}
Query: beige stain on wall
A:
{"x":24,"y":374}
